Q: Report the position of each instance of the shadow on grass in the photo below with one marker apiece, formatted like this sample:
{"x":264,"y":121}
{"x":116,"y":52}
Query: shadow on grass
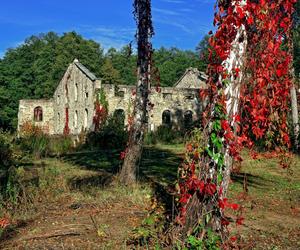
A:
{"x":102,"y":160}
{"x":250,"y":180}
{"x":100,"y":181}
{"x":157,"y":164}
{"x":160,"y":165}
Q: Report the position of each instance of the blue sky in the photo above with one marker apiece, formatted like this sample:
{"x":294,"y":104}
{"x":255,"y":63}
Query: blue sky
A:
{"x":180,"y":23}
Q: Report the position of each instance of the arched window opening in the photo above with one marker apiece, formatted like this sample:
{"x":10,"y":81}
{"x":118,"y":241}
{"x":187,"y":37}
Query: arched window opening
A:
{"x":58,"y":118}
{"x":166,"y":118}
{"x":188,"y":119}
{"x":66,"y":93}
{"x":38,"y":114}
{"x":119,"y":116}
{"x":76,"y":92}
{"x":76,"y":119}
{"x":86,"y":113}
{"x":120,"y":93}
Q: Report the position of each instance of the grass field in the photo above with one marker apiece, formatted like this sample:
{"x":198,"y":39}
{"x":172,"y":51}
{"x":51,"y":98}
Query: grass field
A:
{"x":72,"y":204}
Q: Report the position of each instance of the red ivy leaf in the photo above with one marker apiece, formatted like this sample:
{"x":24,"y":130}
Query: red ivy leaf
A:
{"x":240,"y":220}
{"x":210,"y":189}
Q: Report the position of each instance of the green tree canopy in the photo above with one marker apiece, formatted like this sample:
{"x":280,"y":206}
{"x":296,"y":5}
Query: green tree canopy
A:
{"x":33,"y":69}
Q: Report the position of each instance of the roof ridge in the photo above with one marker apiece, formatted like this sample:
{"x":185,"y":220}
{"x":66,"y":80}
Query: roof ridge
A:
{"x":85,"y":70}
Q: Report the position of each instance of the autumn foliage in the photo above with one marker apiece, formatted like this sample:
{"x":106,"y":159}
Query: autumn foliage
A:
{"x":263,"y":98}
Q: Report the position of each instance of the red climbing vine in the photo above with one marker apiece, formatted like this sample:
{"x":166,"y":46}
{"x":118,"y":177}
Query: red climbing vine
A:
{"x":67,"y":128}
{"x":265,"y":93}
{"x":101,"y":110}
{"x":265,"y":80}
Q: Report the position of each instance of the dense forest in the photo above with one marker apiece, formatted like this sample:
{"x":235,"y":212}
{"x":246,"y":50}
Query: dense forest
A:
{"x":34,"y":69}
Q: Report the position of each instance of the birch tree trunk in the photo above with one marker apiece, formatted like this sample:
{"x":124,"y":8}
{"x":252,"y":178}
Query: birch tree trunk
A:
{"x":294,"y":102}
{"x":236,"y":60}
{"x":139,"y":126}
{"x":295,"y":116}
{"x":197,"y":209}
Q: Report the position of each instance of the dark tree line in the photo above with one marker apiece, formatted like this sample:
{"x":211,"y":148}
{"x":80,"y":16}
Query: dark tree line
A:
{"x":34,"y":69}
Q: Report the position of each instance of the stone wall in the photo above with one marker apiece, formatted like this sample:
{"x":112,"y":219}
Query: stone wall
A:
{"x":26,"y":114}
{"x":175,"y":100}
{"x":192,"y":78}
{"x":178,"y":103}
{"x":75,"y":92}
{"x":75,"y":97}
{"x":119,"y":98}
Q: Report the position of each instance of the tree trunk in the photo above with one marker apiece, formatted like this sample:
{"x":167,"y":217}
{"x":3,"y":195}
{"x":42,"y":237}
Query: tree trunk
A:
{"x":139,"y":125}
{"x":294,"y":101}
{"x":295,"y":116}
{"x":198,"y":208}
{"x":235,"y":60}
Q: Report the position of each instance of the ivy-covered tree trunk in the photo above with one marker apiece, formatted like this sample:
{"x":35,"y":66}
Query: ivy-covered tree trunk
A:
{"x":295,"y":116}
{"x":234,"y":63}
{"x":294,"y":101}
{"x":203,"y":209}
{"x":142,"y":10}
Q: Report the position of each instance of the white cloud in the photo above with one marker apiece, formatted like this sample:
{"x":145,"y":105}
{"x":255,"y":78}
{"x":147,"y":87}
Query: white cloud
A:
{"x":173,"y":1}
{"x":109,"y":36}
{"x":174,"y":24}
{"x":166,"y":12}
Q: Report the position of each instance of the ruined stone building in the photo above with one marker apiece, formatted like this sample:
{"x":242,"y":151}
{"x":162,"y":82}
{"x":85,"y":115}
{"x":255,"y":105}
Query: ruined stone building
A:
{"x":73,"y":102}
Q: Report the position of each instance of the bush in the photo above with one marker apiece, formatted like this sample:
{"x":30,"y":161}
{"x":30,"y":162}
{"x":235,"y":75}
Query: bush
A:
{"x":6,"y":154}
{"x":112,"y":135}
{"x":150,"y":138}
{"x":164,"y":134}
{"x":35,"y":142}
{"x":60,"y":145}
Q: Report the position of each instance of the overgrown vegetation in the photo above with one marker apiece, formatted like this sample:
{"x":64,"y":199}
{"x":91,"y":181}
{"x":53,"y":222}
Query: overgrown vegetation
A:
{"x":35,"y":143}
{"x":111,"y":135}
{"x":165,"y":135}
{"x":6,"y":153}
{"x":45,"y":187}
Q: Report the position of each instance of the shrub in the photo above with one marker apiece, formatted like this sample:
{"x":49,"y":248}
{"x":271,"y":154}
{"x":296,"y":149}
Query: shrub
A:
{"x":35,"y":142}
{"x":164,"y":134}
{"x":6,"y":154}
{"x":150,"y":138}
{"x":60,"y":145}
{"x":167,"y":135}
{"x":112,"y":135}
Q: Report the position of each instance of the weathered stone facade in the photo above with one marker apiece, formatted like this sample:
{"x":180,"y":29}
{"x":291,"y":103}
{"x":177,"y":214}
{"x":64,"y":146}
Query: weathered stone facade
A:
{"x":73,"y":102}
{"x":26,"y":114}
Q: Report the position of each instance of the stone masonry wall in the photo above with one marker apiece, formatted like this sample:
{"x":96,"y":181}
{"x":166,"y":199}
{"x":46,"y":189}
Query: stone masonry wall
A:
{"x":26,"y":114}
{"x":75,"y":92}
{"x":177,"y":101}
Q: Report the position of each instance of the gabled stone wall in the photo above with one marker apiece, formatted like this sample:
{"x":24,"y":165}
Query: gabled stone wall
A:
{"x":75,"y":92}
{"x":75,"y":96}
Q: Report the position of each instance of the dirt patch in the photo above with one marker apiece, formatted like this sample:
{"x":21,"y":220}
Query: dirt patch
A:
{"x":78,"y":226}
